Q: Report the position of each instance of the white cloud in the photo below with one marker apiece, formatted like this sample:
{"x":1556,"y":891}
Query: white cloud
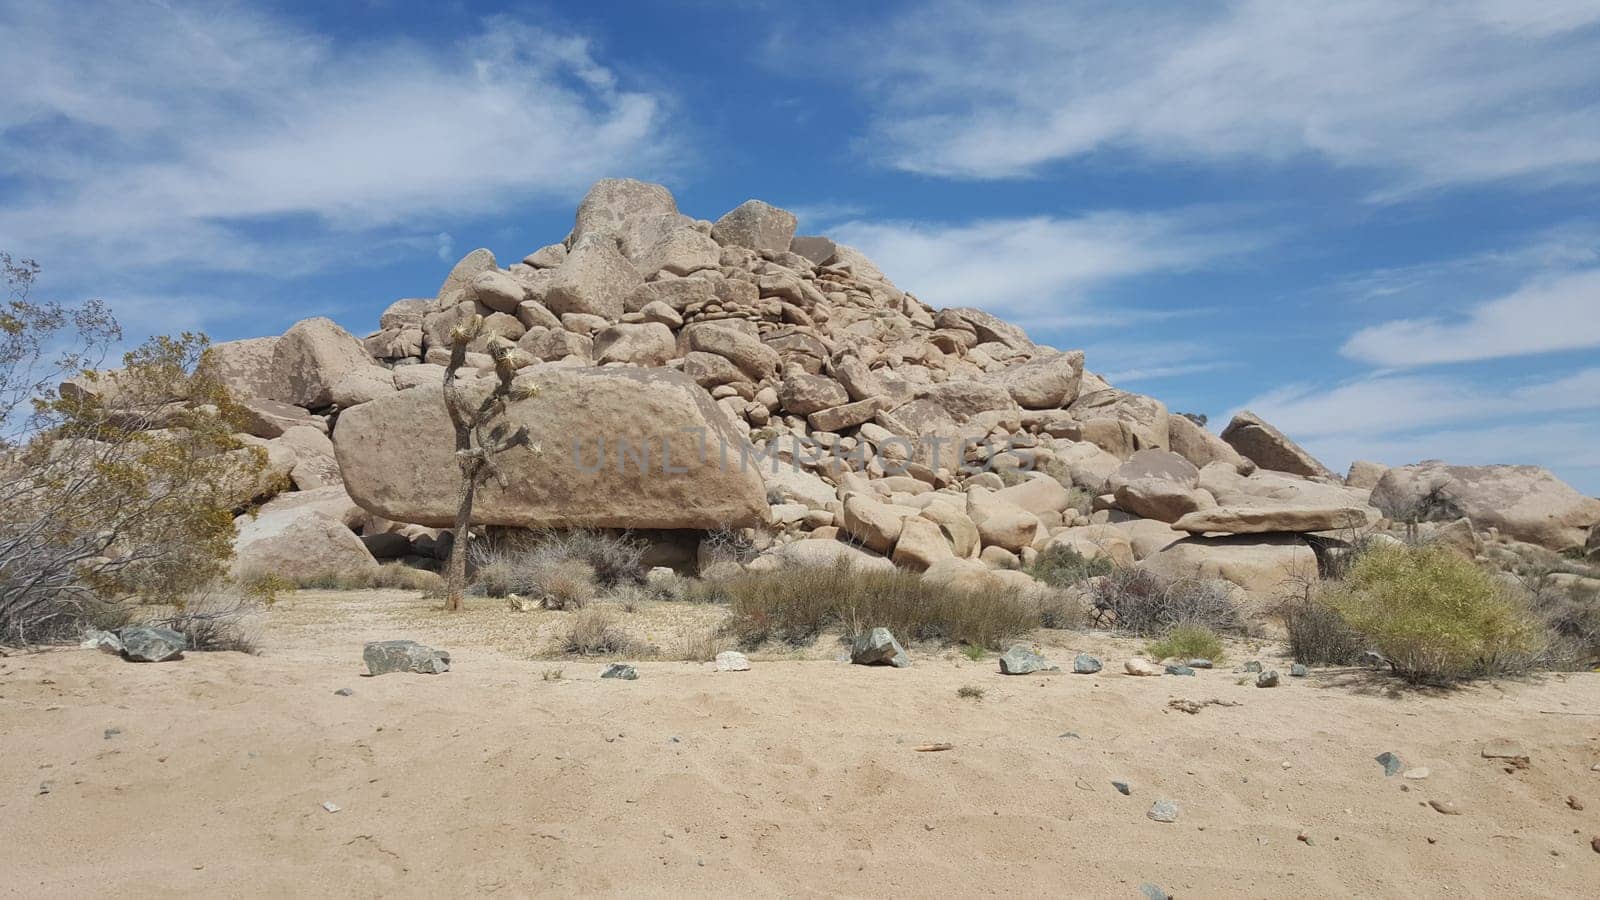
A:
{"x":1431,"y":92}
{"x":160,"y":134}
{"x":1558,"y":312}
{"x":1039,"y":270}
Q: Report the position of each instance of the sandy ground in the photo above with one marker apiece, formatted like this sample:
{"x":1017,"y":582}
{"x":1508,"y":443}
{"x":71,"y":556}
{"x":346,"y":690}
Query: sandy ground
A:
{"x":797,"y":778}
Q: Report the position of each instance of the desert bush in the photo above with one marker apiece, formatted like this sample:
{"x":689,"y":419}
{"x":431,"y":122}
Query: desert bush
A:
{"x":1062,"y":609}
{"x":795,"y":605}
{"x":970,"y":692}
{"x":1063,"y":566}
{"x":727,"y":545}
{"x":594,"y":631}
{"x":218,"y":617}
{"x":390,"y":576}
{"x":115,"y":487}
{"x":703,"y":645}
{"x":552,"y":564}
{"x":1435,"y":616}
{"x":1188,"y":641}
{"x":1318,"y":634}
{"x":1149,"y":605}
{"x":1571,"y":615}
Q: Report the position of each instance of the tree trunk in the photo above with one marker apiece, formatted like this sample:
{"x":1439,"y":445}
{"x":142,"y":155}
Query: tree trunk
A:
{"x":455,"y":570}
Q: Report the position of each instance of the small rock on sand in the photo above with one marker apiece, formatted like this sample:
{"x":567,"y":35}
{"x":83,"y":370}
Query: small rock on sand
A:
{"x":1267,"y":679}
{"x":732,"y":661}
{"x":148,"y":644}
{"x":1019,"y":660}
{"x":1200,"y":664}
{"x":878,"y":648}
{"x":1391,"y":763}
{"x":1180,"y":670}
{"x":1138,"y":665}
{"x":1298,"y":671}
{"x":1151,"y":892}
{"x":1163,"y":811}
{"x":383,"y":657}
{"x":1417,"y":774}
{"x":1446,"y":807}
{"x":620,"y":670}
{"x":1084,"y":664}
{"x":1122,"y":788}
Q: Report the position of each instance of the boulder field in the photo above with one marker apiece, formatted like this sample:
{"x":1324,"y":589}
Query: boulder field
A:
{"x":695,"y":375}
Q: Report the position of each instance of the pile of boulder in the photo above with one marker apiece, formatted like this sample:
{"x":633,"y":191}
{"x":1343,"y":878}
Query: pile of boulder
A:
{"x":695,"y":376}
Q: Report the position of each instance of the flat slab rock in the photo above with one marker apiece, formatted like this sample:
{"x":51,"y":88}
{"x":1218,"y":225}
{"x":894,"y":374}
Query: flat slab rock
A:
{"x":383,"y":657}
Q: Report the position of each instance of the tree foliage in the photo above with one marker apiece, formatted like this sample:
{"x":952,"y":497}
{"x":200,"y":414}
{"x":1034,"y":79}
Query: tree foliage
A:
{"x":114,"y":485}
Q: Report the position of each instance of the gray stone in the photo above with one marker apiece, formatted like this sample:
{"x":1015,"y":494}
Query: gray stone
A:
{"x":1200,"y":664}
{"x":1084,"y":664}
{"x":343,"y":692}
{"x":1164,"y":811}
{"x":1270,"y":448}
{"x":1391,"y":763}
{"x":621,"y":671}
{"x":1122,"y":788}
{"x":383,"y":657}
{"x":814,"y":248}
{"x":1151,"y":892}
{"x":1019,"y":660}
{"x":1251,"y":666}
{"x":1298,"y":671}
{"x":143,"y":643}
{"x":594,"y":279}
{"x":1267,"y":679}
{"x":878,"y":647}
{"x":1179,"y":670}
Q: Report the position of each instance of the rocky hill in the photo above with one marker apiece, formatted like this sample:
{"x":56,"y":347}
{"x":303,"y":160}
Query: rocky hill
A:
{"x":699,"y":376}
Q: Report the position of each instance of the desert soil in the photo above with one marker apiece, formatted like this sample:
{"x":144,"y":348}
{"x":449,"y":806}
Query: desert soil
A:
{"x":797,"y":778}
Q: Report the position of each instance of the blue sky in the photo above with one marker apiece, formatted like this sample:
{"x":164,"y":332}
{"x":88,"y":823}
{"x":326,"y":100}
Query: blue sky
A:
{"x":1377,"y":224}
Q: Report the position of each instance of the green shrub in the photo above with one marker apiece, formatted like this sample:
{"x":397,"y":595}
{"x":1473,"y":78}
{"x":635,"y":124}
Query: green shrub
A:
{"x":1063,"y":566}
{"x":1435,"y":616}
{"x":1188,"y":642}
{"x":794,"y":605}
{"x":1149,"y":605}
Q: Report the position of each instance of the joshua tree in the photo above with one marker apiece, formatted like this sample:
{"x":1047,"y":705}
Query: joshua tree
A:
{"x":481,"y":435}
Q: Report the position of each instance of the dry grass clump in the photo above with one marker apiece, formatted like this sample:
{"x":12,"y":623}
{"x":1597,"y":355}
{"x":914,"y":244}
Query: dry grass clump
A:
{"x":1186,"y":642}
{"x":218,"y":617}
{"x":595,"y":632}
{"x":970,"y":692}
{"x":794,"y":605}
{"x":1571,"y":613}
{"x":1149,"y":605}
{"x":563,"y":569}
{"x":1318,"y":635}
{"x":1435,"y":616}
{"x":703,"y":645}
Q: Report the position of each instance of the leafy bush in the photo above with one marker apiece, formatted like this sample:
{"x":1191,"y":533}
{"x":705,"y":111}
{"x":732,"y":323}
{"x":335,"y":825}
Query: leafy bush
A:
{"x":1061,"y":566}
{"x":1188,"y":642}
{"x":594,"y":631}
{"x":795,"y":605}
{"x":1147,"y":604}
{"x":115,"y":486}
{"x":1434,"y":615}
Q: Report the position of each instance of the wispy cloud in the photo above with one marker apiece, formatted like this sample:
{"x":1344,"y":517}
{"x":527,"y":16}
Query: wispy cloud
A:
{"x":1431,"y":93}
{"x":1553,"y":313}
{"x":218,"y":138}
{"x":1041,"y":269}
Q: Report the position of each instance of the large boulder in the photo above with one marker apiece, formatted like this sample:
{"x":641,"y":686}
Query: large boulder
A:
{"x":1048,"y":381}
{"x":245,"y":368}
{"x":1193,"y":442}
{"x":801,"y":394}
{"x":756,"y":226}
{"x":633,"y":213}
{"x":311,"y":357}
{"x":315,"y":466}
{"x":745,"y":351}
{"x":680,"y":251}
{"x":299,"y":541}
{"x":1526,"y":503}
{"x":594,"y":279}
{"x":986,"y":326}
{"x":819,"y":554}
{"x":590,"y":427}
{"x":875,"y":524}
{"x":1119,"y":422}
{"x":1158,"y":484}
{"x":1262,"y":565}
{"x":458,"y":284}
{"x":1270,"y":448}
{"x":922,"y":544}
{"x":645,"y":344}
